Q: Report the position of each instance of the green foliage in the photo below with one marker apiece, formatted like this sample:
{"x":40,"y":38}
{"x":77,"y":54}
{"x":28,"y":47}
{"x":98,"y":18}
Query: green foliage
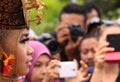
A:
{"x":110,"y":10}
{"x":50,"y":19}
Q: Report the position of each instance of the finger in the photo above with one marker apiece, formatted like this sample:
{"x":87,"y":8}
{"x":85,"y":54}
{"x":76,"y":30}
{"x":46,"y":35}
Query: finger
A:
{"x":71,"y":40}
{"x":100,"y":59}
{"x":86,"y":78}
{"x":84,"y":68}
{"x":78,"y":41}
{"x":102,"y":45}
{"x":63,"y":39}
{"x":62,"y":36}
{"x":62,"y":26}
{"x":83,"y":65}
{"x":104,"y":50}
{"x":63,"y":31}
{"x":52,"y":76}
{"x":55,"y":75}
{"x":95,"y":46}
{"x":53,"y":64}
{"x":76,"y":63}
{"x":53,"y":61}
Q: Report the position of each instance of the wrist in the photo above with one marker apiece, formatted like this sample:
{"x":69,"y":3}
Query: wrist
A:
{"x":98,"y":70}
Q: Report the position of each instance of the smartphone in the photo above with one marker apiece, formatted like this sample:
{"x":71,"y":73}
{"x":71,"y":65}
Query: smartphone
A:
{"x":67,"y":69}
{"x":114,"y":41}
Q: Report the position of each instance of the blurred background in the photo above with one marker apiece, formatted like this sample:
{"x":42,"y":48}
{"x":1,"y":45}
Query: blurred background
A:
{"x":110,"y":10}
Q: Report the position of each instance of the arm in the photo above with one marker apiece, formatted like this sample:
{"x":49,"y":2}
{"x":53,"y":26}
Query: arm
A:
{"x":111,"y":70}
{"x":103,"y":70}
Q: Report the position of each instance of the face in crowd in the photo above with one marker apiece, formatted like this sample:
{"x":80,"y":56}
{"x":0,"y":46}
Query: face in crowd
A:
{"x":70,"y":14}
{"x":40,"y":59}
{"x":87,"y":50}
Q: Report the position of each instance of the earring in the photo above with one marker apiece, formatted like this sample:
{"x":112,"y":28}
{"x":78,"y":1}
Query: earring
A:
{"x":7,"y":62}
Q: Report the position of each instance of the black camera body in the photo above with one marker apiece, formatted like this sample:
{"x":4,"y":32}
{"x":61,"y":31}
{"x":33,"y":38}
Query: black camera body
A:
{"x":95,"y":22}
{"x":50,"y":41}
{"x":76,"y":30}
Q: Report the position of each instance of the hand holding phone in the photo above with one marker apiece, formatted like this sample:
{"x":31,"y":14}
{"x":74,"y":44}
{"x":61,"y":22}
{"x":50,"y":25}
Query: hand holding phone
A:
{"x":114,"y":41}
{"x":67,"y":69}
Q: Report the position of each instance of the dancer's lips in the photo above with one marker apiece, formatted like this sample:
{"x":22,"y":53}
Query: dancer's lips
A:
{"x":29,"y":62}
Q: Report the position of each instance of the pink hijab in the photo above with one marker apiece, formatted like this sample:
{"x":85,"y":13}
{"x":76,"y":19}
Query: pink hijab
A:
{"x":39,"y":49}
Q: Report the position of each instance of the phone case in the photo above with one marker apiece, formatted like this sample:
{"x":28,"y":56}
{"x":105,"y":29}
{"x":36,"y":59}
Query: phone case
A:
{"x":112,"y":57}
{"x":67,"y":69}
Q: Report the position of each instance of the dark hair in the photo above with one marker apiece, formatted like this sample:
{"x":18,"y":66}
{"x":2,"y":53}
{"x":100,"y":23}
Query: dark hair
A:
{"x":91,"y":35}
{"x":72,"y":8}
{"x":89,"y":6}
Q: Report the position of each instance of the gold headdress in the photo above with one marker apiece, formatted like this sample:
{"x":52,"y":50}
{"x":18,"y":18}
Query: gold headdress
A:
{"x":38,"y":5}
{"x":14,"y":14}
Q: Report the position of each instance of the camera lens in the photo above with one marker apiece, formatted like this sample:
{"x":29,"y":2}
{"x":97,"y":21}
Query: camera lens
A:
{"x":76,"y":30}
{"x":53,"y":47}
{"x":50,"y":42}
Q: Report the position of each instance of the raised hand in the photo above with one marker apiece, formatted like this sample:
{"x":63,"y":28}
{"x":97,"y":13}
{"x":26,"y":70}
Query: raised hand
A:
{"x":81,"y":74}
{"x":51,"y":73}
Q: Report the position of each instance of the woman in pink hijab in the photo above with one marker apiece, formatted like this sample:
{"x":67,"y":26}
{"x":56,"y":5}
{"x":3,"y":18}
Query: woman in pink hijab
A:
{"x":42,"y":69}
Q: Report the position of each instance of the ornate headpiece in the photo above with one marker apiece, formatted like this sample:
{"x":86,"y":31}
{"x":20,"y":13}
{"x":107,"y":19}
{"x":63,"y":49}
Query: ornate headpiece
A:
{"x":14,"y":14}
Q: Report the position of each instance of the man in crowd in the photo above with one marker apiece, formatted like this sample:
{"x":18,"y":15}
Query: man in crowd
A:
{"x":69,"y":15}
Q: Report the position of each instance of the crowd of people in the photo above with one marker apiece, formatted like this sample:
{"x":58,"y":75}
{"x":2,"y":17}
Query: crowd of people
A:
{"x":81,"y":37}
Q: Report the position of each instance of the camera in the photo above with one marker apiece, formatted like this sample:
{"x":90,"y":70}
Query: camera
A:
{"x":76,"y":30}
{"x":94,"y":23}
{"x":50,"y":41}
